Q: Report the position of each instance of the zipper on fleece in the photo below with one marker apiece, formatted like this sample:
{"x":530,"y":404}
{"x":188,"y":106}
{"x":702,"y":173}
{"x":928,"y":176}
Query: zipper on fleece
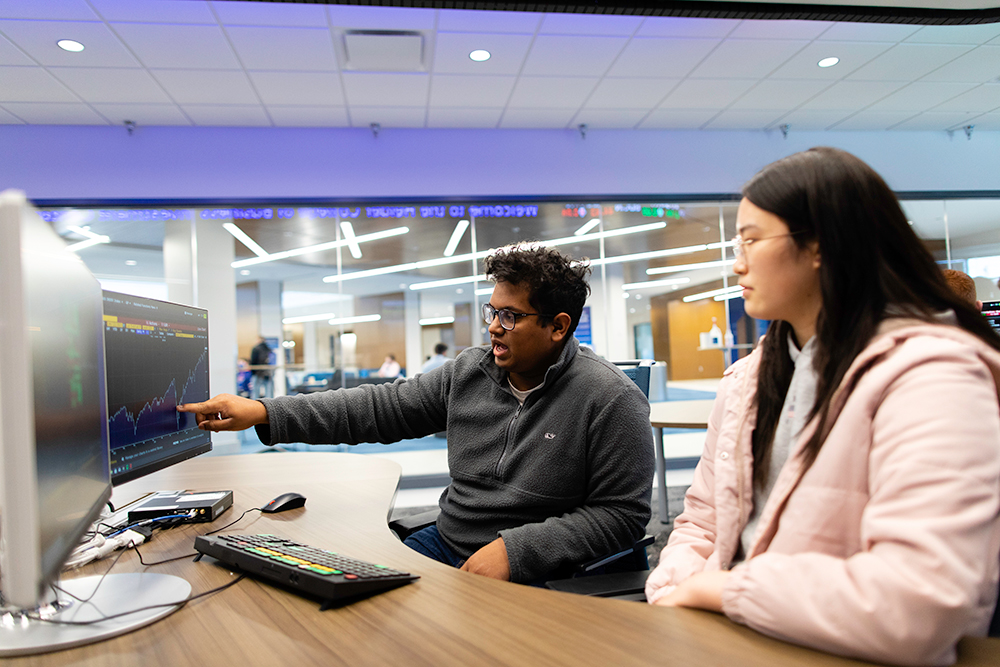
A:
{"x":507,"y":439}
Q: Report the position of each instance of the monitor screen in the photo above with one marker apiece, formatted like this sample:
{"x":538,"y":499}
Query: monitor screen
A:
{"x":991,"y":311}
{"x":157,"y":358}
{"x":55,"y":476}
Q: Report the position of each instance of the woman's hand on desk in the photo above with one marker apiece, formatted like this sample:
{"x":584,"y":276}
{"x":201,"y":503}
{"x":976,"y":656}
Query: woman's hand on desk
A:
{"x":490,"y":561}
{"x":226,"y":412}
{"x":699,"y":591}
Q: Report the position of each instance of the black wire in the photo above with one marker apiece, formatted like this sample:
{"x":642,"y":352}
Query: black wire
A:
{"x":99,"y":581}
{"x":192,"y":555}
{"x":178,"y":604}
{"x":111,"y":507}
{"x":252,"y":509}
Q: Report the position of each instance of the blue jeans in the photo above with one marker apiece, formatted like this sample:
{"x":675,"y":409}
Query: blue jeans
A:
{"x":428,"y":542}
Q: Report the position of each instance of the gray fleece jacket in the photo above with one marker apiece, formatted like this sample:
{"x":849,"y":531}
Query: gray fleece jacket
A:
{"x":564,"y":478}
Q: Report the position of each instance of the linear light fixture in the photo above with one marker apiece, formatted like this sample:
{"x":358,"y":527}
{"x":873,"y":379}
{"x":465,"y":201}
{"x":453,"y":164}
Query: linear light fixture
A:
{"x":354,"y":320}
{"x":308,"y":318}
{"x":243,"y":238}
{"x":688,"y":267}
{"x":587,"y":227}
{"x":431,"y":321}
{"x":447,"y":283}
{"x":656,"y":283}
{"x":456,"y":236}
{"x":716,"y":292}
{"x":727,"y":297}
{"x":352,"y":240}
{"x":484,"y":291}
{"x":654,"y":254}
{"x":427,"y":263}
{"x":364,"y":238}
{"x":74,"y":247}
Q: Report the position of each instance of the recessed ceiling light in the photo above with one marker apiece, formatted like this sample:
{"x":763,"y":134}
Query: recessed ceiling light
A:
{"x":70,"y":45}
{"x":130,"y":262}
{"x":480,"y":55}
{"x":828,"y":62}
{"x":245,"y":272}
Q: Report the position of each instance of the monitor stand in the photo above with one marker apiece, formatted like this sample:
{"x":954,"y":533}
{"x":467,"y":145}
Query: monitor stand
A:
{"x":118,"y":593}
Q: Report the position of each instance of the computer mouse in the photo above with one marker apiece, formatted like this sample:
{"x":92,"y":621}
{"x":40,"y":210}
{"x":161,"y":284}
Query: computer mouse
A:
{"x":284,"y":502}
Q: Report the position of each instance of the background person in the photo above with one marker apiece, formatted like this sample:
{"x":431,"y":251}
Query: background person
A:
{"x":848,"y":497}
{"x":390,"y":367}
{"x":260,"y":355}
{"x":437,"y":360}
{"x":549,"y":446}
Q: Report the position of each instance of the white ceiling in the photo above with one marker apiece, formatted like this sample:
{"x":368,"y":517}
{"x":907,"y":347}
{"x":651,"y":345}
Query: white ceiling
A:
{"x":196,"y":62}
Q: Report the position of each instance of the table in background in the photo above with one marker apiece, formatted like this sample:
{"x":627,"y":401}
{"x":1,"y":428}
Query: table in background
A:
{"x":673,"y":414}
{"x":448,"y":617}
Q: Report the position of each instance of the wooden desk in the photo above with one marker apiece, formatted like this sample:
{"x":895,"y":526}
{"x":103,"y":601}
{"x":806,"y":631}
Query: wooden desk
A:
{"x":446,"y":618}
{"x":673,"y":414}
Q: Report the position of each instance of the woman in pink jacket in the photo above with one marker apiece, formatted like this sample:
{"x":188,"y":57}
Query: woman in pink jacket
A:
{"x":848,"y":498}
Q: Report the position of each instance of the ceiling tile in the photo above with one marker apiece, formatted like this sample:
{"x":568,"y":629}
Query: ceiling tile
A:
{"x":743,"y":119}
{"x":143,"y":115}
{"x":206,"y":87}
{"x":804,"y":65}
{"x":154,"y":11}
{"x":572,"y":55}
{"x":11,"y":55}
{"x":385,"y":90}
{"x":537,"y":118}
{"x":956,"y":34}
{"x":38,"y":39}
{"x":309,"y":49}
{"x":630,"y":93}
{"x":50,"y":9}
{"x":873,"y":120}
{"x":852,"y":95}
{"x":507,"y":53}
{"x":736,"y":58}
{"x":32,"y":84}
{"x":298,"y":88}
{"x":988,"y":121}
{"x":791,"y":29}
{"x":227,"y":115}
{"x":658,"y":56}
{"x":111,"y":84}
{"x":934,"y":120}
{"x":309,"y":116}
{"x":610,"y":119}
{"x":46,"y":113}
{"x":9,"y":119}
{"x":677,"y":119}
{"x":869,"y":32}
{"x":906,"y":62}
{"x":449,"y":90}
{"x":980,"y":65}
{"x":186,"y":46}
{"x":978,"y":100}
{"x":588,"y":24}
{"x":450,"y":117}
{"x":543,"y":92}
{"x":808,"y":119}
{"x":920,"y":96}
{"x":470,"y":20}
{"x":706,"y":93}
{"x":671,"y":26}
{"x":381,"y":18}
{"x":270,"y":14}
{"x":775,"y":94}
{"x":388,"y":117}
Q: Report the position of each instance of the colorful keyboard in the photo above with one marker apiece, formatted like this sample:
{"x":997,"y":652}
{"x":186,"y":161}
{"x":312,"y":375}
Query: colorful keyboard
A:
{"x":316,"y":572}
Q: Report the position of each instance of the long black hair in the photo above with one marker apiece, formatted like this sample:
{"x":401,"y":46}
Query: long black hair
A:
{"x":870,"y":259}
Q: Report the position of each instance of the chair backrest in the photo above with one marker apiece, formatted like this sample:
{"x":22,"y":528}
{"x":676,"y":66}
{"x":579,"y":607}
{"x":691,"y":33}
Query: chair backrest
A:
{"x":994,"y":630}
{"x":638,"y":371}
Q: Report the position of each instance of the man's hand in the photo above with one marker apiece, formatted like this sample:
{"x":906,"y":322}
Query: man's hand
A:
{"x":490,"y":561}
{"x":226,"y":412}
{"x":699,"y":591}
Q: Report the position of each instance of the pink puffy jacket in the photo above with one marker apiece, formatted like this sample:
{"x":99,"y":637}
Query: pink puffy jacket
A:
{"x":888,"y":547}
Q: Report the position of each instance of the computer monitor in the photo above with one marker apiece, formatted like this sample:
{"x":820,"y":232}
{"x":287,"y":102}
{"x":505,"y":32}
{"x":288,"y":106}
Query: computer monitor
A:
{"x":157,"y":359}
{"x":54,"y":454}
{"x":991,"y":311}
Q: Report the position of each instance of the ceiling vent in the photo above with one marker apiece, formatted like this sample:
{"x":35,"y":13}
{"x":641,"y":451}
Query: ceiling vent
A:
{"x":384,"y":50}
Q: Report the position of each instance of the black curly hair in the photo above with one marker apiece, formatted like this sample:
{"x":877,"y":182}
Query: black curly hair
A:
{"x":557,"y":283}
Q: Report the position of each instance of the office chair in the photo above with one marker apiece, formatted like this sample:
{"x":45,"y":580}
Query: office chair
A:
{"x":622,"y":565}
